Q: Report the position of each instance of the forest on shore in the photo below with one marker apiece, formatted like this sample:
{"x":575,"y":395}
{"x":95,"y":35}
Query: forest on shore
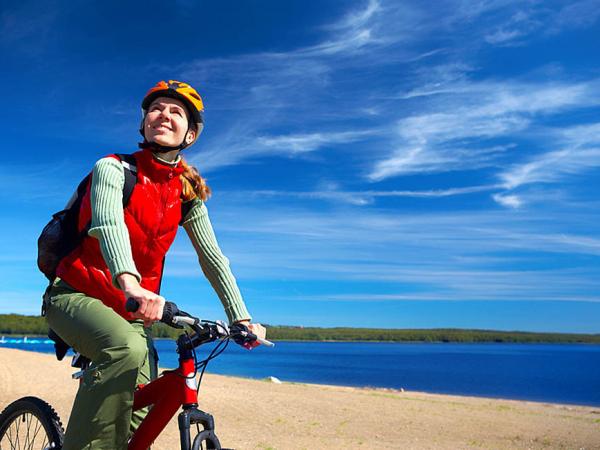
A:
{"x":16,"y":324}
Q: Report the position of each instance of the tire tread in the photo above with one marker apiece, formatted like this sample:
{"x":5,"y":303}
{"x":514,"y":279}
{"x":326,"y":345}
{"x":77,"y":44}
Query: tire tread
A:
{"x":40,"y":409}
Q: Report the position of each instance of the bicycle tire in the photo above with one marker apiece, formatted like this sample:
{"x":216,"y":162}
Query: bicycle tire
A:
{"x":206,"y":440}
{"x":21,"y":424}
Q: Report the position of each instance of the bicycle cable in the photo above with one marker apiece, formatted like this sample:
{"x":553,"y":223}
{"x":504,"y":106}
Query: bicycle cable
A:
{"x":176,"y":371}
{"x":219,"y":348}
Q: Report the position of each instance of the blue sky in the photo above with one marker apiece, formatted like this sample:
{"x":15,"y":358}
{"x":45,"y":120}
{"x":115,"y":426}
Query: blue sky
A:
{"x":374,"y":163}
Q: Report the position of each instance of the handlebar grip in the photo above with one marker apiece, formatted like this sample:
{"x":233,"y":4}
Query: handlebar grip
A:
{"x":244,"y":337}
{"x":265,"y":342}
{"x":169,"y":311}
{"x":131,"y":305}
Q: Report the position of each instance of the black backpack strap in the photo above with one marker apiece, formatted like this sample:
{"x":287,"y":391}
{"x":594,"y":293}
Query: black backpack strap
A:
{"x":129,"y":164}
{"x":130,"y":172}
{"x":60,"y":347}
{"x":186,"y":207}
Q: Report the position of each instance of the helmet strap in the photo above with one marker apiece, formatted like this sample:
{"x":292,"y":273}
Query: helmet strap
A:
{"x":162,"y":148}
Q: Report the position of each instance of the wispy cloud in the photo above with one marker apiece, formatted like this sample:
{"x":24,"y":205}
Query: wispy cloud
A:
{"x":240,"y":142}
{"x":356,"y":20}
{"x":509,"y":23}
{"x":364,"y":197}
{"x":519,"y":25}
{"x":423,"y":159}
{"x":468,"y":113}
{"x":552,"y":166}
{"x":459,"y":124}
{"x":575,"y":14}
{"x":302,"y":143}
{"x":579,"y":152}
{"x":512,"y":201}
{"x":460,"y":255}
{"x":302,"y":90}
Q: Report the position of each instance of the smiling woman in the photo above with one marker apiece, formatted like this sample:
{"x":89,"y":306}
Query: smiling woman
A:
{"x":166,"y":123}
{"x":121,"y":255}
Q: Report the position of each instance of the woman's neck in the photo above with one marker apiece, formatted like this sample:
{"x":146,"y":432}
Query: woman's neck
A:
{"x":171,"y":158}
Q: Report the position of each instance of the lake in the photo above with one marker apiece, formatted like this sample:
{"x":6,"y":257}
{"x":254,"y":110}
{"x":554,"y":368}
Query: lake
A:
{"x":560,"y":373}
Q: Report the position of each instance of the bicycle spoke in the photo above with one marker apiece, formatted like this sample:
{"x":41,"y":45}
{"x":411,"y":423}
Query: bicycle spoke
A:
{"x":26,"y":427}
{"x":22,"y":433}
{"x":37,"y":430}
{"x":27,"y":437}
{"x":27,"y":443}
{"x":12,"y":444}
{"x":18,"y":427}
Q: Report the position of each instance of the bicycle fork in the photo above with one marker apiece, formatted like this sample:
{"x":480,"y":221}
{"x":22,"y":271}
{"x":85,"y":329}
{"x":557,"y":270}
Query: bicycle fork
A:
{"x":192,"y":416}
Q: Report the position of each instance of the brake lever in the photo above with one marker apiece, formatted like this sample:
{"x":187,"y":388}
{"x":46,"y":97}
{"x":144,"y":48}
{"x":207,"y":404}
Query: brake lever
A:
{"x":244,"y":337}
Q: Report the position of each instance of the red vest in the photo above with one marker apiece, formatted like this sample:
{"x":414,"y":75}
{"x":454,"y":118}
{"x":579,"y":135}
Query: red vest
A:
{"x":151,"y":216}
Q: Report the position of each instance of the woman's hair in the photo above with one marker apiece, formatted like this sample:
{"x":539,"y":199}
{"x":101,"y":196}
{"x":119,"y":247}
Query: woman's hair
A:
{"x":193,"y":184}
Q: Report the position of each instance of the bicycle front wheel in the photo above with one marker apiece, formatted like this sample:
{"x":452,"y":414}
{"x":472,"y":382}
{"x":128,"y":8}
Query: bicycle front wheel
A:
{"x":30,"y":423}
{"x":206,"y":440}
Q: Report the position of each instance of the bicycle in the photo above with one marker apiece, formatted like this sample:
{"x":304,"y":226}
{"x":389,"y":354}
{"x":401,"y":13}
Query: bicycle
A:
{"x":22,"y":421}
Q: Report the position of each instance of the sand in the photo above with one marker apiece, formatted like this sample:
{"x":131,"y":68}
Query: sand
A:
{"x":252,"y":414}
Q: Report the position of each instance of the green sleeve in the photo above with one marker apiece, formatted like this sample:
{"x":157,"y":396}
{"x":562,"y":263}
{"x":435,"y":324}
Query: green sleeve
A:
{"x":108,"y":223}
{"x":213,"y":263}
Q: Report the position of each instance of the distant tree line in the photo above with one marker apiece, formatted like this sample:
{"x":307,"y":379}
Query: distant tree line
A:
{"x":424,"y":335}
{"x":25,"y":325}
{"x":36,"y":325}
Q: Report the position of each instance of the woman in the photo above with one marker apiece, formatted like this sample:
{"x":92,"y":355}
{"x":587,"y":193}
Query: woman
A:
{"x":122,"y":256}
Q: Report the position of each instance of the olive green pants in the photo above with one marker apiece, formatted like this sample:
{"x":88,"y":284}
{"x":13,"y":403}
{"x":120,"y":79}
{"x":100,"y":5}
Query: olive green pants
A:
{"x":122,"y":355}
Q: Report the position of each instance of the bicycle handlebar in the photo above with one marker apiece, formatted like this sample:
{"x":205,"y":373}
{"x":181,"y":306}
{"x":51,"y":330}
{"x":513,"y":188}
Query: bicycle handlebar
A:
{"x":169,"y":311}
{"x":173,"y":316}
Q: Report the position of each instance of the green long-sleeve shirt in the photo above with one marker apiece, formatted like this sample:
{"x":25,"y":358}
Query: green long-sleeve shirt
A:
{"x":108,"y":226}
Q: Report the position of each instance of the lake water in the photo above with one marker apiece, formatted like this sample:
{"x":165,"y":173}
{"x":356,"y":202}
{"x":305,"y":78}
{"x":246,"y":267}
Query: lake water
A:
{"x":561,"y":373}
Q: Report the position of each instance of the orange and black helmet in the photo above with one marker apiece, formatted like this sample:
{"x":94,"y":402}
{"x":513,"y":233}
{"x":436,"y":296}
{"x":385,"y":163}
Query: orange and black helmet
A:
{"x":180,"y":91}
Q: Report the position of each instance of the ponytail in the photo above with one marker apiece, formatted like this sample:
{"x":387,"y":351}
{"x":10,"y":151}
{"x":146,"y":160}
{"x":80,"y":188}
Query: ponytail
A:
{"x":193,"y":184}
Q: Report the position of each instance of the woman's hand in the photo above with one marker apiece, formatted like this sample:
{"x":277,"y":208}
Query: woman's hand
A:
{"x":151,"y":304}
{"x":255,"y":328}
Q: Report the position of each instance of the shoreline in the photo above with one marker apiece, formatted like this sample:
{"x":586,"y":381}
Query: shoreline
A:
{"x":548,"y":399}
{"x":401,"y":391}
{"x":36,"y":336}
{"x":300,"y":415}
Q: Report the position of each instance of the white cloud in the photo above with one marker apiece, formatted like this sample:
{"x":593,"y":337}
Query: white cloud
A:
{"x":580,"y":152}
{"x":576,"y":14}
{"x":302,"y":143}
{"x":463,"y":256}
{"x":520,"y":24}
{"x":357,"y":19}
{"x":241,"y":143}
{"x":443,"y":121}
{"x":304,"y":90}
{"x":513,"y":22}
{"x":502,"y":36}
{"x":364,"y":197}
{"x":500,"y":292}
{"x":512,"y":201}
{"x":448,"y":137}
{"x":424,"y":159}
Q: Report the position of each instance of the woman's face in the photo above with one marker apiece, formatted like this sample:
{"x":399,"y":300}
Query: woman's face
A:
{"x":166,"y":123}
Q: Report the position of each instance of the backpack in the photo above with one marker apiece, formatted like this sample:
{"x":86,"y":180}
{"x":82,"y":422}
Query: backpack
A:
{"x":61,"y":235}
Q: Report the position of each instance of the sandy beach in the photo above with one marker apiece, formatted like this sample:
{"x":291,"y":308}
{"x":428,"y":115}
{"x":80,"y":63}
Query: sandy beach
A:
{"x":302,"y":416}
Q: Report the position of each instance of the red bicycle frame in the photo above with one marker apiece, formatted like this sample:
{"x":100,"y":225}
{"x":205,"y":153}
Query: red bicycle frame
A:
{"x":178,"y":388}
{"x":172,"y":390}
{"x":167,"y":393}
